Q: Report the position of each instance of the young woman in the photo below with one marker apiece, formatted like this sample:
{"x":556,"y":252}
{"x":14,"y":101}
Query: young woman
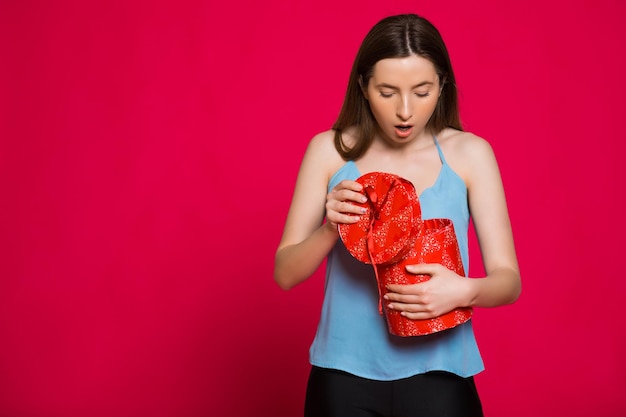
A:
{"x":400,"y":116}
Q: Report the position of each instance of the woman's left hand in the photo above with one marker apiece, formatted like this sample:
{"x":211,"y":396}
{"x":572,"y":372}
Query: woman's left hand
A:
{"x":442,"y":293}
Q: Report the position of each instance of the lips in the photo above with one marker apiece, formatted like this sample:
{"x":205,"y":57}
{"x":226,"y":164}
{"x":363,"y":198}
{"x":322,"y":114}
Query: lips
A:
{"x":403,"y":131}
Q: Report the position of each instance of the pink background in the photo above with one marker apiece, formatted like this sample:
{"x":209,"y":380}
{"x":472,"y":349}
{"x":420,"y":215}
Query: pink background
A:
{"x":148,"y":154}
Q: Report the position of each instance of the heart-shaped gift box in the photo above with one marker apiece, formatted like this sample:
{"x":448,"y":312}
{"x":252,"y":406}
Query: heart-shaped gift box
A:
{"x":392,"y":235}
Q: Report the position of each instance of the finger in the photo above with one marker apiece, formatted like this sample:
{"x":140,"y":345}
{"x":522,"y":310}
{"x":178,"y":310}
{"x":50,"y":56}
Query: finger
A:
{"x":340,"y":211}
{"x":412,"y":289}
{"x":412,"y":308}
{"x":338,"y":218}
{"x":348,"y":195}
{"x":419,"y":315}
{"x":423,"y":269}
{"x":345,"y":207}
{"x":403,"y":298}
{"x":349,"y":185}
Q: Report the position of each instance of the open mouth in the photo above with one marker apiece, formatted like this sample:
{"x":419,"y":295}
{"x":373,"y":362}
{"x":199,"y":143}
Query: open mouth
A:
{"x":403,"y":131}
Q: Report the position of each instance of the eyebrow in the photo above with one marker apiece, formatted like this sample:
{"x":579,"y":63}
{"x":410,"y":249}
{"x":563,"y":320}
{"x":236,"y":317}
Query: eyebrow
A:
{"x":393,"y":87}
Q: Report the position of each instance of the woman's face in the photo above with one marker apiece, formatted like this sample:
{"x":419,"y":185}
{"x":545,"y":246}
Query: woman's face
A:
{"x":402,"y":94}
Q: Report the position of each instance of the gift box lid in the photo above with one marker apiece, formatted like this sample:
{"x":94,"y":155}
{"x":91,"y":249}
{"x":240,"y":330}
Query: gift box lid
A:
{"x":391,"y":224}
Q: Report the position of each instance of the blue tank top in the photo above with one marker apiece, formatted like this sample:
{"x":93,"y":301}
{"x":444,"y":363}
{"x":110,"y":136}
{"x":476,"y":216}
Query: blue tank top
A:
{"x":352,"y":336}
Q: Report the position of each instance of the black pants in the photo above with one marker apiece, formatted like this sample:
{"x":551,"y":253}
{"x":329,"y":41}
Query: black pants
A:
{"x":332,"y":393}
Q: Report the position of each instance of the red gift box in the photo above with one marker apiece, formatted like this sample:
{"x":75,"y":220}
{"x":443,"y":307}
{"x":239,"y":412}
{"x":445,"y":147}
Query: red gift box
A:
{"x":392,"y":235}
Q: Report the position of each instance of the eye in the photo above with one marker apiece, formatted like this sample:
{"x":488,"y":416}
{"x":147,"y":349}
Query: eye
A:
{"x":386,"y":94}
{"x":422,"y":94}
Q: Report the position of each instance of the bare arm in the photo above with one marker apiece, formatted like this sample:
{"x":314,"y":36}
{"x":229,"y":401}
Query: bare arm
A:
{"x":306,"y":240}
{"x":502,"y":284}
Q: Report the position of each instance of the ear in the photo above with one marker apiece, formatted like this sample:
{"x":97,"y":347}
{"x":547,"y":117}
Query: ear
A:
{"x":363,"y":88}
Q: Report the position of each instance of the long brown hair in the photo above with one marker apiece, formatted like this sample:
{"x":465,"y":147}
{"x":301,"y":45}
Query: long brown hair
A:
{"x":395,"y":37}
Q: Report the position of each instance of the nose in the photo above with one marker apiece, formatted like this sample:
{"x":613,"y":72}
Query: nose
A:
{"x":404,"y":110}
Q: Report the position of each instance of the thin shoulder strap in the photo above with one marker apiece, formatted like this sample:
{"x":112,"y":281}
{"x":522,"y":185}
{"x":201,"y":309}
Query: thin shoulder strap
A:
{"x":443,"y":159}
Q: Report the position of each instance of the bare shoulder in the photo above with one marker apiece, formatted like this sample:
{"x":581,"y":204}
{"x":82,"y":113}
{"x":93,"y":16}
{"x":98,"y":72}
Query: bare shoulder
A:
{"x":321,"y":152}
{"x":466,"y":152}
{"x":322,"y":146}
{"x":322,"y":142}
{"x":465,"y":143}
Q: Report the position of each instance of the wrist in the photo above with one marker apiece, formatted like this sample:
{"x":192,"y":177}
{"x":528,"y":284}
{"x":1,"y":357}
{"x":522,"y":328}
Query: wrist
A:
{"x":471,"y":291}
{"x":331,"y":228}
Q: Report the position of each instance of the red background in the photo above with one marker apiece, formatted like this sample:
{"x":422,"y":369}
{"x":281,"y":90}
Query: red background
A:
{"x":148,"y":155}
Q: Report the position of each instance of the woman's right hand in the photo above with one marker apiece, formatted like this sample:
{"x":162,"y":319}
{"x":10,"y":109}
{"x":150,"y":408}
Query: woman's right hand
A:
{"x":339,"y":203}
